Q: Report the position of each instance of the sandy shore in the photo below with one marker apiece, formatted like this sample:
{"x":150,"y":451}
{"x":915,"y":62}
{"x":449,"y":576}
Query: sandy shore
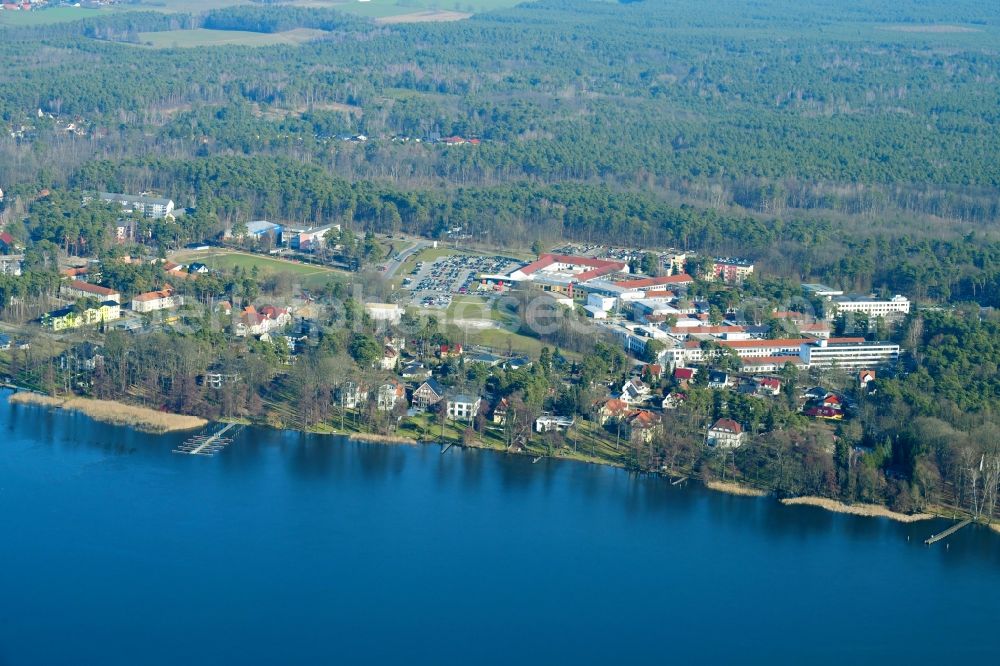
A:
{"x":995,"y":527}
{"x":115,"y":413}
{"x":735,"y":489}
{"x":872,"y":510}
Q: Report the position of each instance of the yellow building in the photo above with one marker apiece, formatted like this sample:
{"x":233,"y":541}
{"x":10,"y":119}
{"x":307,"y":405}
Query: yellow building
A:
{"x":71,"y":317}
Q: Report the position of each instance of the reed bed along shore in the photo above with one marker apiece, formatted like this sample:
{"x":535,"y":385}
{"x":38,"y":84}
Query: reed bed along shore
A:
{"x":735,"y":489}
{"x":382,"y":439}
{"x":115,"y":413}
{"x":871,"y":510}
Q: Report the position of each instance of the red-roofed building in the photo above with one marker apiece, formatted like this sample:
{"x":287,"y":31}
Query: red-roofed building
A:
{"x":567,"y":269}
{"x":684,"y":375}
{"x":643,"y":426}
{"x":79,"y":289}
{"x":643,"y":283}
{"x":769,"y":385}
{"x":725,"y":434}
{"x":259,"y":322}
{"x":613,"y":408}
{"x":157,"y":300}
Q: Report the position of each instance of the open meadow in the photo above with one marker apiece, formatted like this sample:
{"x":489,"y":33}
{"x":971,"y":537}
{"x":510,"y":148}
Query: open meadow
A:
{"x":308,"y":275}
{"x":198,"y":37}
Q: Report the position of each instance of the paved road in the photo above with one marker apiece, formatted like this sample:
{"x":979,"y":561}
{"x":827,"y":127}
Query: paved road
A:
{"x":395,"y":262}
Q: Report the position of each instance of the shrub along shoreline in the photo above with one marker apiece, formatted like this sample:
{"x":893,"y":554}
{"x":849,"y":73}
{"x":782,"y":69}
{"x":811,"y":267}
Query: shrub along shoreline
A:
{"x":115,"y":413}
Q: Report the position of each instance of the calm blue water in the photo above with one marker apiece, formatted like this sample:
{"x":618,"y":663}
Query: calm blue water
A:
{"x":290,"y":549}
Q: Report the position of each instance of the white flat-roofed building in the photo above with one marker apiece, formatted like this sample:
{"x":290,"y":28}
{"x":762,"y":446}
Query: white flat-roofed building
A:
{"x":873,"y":307}
{"x":848,"y":353}
{"x":151,"y":207}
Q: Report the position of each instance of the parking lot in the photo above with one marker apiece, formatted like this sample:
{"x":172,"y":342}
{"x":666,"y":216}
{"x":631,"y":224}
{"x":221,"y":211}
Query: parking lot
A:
{"x":434,"y":282}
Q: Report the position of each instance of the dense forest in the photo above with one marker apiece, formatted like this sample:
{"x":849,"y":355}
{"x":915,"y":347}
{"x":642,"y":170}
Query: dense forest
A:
{"x":723,"y":103}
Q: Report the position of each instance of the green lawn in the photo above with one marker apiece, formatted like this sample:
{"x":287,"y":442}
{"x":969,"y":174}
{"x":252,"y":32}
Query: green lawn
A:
{"x":224,"y":260}
{"x":200,"y":37}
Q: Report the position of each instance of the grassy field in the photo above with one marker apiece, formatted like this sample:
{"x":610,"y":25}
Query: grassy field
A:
{"x":49,"y":16}
{"x":307,"y":275}
{"x":200,"y":37}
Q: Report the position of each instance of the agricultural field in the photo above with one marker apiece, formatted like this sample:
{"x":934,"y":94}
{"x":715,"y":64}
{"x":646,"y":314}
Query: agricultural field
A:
{"x":307,"y":275}
{"x":201,"y":37}
{"x":49,"y":16}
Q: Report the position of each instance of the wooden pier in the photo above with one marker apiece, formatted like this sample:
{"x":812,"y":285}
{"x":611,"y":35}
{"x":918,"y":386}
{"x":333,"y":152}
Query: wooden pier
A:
{"x":207,"y":445}
{"x":680,"y":480}
{"x":446,"y":447}
{"x":934,"y":538}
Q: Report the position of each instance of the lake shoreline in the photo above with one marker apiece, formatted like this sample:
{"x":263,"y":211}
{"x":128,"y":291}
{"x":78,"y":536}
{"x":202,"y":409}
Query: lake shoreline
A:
{"x":864,"y":510}
{"x":158,"y":423}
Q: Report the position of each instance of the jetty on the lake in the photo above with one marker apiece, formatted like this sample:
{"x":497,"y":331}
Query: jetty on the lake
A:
{"x":934,"y":538}
{"x":207,"y":445}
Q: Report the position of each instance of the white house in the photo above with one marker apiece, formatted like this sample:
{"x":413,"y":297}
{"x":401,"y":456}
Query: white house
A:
{"x":725,"y":434}
{"x":151,"y":301}
{"x":463,"y":407}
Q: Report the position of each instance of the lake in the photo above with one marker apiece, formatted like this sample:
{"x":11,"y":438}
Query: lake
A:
{"x":296,"y":549}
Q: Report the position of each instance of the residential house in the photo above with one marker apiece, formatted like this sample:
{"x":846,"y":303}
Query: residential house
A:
{"x":84,"y":357}
{"x":258,"y":322}
{"x":518,"y":362}
{"x":718,"y":379}
{"x":7,"y":243}
{"x":612,"y":408}
{"x":415,"y":371}
{"x":683,"y":376}
{"x":197,"y":268}
{"x":450,"y":351}
{"x":463,"y":407}
{"x":430,"y":392}
{"x":725,"y":434}
{"x":768,"y":385}
{"x":865,"y":377}
{"x":351,"y":395}
{"x":673,"y":400}
{"x":550,"y":423}
{"x":390,"y":358}
{"x":389,"y":395}
{"x":643,"y":426}
{"x":4,"y":342}
{"x":500,"y":411}
{"x":634,"y":392}
{"x":651,"y":372}
{"x":487,"y":359}
{"x":820,"y":412}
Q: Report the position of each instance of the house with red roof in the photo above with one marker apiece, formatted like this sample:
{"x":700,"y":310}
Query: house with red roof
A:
{"x":258,"y":322}
{"x":613,"y":408}
{"x":643,"y":425}
{"x":725,"y":434}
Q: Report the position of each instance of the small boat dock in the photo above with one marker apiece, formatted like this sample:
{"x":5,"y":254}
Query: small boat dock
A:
{"x":208,"y":445}
{"x":934,"y":538}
